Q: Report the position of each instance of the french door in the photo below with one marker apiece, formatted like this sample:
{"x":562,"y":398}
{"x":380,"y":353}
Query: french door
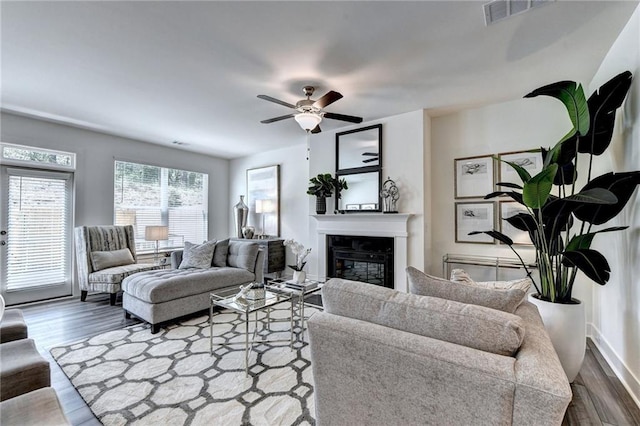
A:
{"x":36,"y":235}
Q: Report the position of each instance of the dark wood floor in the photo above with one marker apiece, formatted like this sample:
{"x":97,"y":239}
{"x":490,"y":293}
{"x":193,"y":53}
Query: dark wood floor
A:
{"x":598,"y":396}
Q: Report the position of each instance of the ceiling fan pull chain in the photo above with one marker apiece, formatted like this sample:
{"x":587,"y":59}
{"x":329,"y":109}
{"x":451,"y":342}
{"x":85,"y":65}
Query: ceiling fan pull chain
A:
{"x":308,"y":144}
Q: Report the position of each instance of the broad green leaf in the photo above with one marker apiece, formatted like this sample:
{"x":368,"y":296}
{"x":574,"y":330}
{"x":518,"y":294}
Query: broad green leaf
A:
{"x":622,"y":185}
{"x":572,"y":96}
{"x":495,"y":234}
{"x":584,"y":241}
{"x":537,"y":189}
{"x":592,"y":263}
{"x":593,"y":196}
{"x":522,"y":172}
{"x":509,"y":185}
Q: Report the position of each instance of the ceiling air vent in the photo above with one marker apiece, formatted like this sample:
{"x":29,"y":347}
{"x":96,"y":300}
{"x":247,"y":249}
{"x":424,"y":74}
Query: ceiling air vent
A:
{"x":498,"y":10}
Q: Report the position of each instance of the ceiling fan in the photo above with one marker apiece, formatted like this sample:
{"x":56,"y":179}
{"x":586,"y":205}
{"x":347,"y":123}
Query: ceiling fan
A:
{"x":309,"y":112}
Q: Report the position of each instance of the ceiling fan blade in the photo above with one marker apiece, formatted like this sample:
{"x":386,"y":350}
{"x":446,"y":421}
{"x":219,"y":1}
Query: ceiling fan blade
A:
{"x":374,"y":154}
{"x":277,"y":101}
{"x":329,"y":98}
{"x":274,"y":119}
{"x":316,"y":129}
{"x":349,"y":118}
{"x":370,"y":160}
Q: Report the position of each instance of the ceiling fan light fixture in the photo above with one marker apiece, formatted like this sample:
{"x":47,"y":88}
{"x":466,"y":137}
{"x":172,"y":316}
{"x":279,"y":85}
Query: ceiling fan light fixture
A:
{"x":308,"y":120}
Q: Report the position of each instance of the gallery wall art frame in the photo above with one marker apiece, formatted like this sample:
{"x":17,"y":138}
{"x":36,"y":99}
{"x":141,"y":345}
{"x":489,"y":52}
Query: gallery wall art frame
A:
{"x":506,"y":210}
{"x":473,"y":176}
{"x":263,"y":200}
{"x":531,"y":161}
{"x":471,"y":216}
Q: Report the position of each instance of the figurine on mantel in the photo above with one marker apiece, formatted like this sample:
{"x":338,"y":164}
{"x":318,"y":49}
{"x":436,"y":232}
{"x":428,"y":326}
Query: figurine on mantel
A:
{"x":390,"y":196}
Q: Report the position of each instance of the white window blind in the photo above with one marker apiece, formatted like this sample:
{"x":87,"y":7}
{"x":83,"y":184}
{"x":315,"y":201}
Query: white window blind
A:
{"x":38,"y":230}
{"x":147,"y":195}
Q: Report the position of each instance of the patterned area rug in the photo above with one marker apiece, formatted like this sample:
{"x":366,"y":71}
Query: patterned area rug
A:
{"x":132,"y":376}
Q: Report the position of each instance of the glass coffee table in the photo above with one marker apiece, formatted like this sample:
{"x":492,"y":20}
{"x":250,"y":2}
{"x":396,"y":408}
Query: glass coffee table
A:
{"x":246,"y":307}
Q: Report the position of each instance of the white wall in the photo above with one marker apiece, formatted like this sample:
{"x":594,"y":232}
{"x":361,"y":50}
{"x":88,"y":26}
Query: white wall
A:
{"x":403,"y":160}
{"x":95,"y":153}
{"x":616,"y":306}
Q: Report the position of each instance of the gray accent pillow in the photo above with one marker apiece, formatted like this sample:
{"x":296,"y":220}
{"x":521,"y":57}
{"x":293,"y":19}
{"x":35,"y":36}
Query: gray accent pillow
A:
{"x":427,"y":285}
{"x":243,"y":255}
{"x":220,"y":253}
{"x":108,"y":259}
{"x":460,"y":276}
{"x":472,"y":326}
{"x":197,"y":255}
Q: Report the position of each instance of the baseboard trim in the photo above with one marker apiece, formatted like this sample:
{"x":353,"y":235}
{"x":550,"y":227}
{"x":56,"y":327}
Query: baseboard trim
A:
{"x":630,"y":382}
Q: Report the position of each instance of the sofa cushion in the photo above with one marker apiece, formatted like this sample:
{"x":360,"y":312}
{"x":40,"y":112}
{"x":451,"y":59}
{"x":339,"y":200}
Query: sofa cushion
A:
{"x":107,"y":259}
{"x":197,"y":255}
{"x":171,"y":284}
{"x":427,"y":285}
{"x":243,"y":255}
{"x":220,"y":253}
{"x":459,"y":275}
{"x":473,"y":326}
{"x":116,"y":274}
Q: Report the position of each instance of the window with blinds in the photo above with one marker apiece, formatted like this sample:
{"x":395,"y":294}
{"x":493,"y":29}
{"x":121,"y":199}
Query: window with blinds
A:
{"x":39,"y":229}
{"x":147,"y":195}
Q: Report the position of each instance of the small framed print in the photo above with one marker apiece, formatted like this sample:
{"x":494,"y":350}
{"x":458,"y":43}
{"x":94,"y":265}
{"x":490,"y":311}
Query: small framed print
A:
{"x":473,"y":176}
{"x":368,"y":206}
{"x":508,"y":209}
{"x":531,"y":161}
{"x":478,"y":216}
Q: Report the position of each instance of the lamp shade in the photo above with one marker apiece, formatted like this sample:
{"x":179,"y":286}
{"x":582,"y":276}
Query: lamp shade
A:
{"x":308,"y":120}
{"x":156,"y":233}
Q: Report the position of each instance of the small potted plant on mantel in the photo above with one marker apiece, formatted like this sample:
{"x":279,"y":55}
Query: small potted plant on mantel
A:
{"x":560,"y":222}
{"x":322,"y":186}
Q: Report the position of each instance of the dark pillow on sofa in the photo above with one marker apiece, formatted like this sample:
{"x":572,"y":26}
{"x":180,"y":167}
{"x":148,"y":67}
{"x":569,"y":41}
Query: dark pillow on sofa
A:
{"x":220,"y":253}
{"x":427,"y":285}
{"x":197,"y":255}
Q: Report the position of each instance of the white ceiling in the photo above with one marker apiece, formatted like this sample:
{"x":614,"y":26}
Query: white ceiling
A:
{"x":190,"y":71}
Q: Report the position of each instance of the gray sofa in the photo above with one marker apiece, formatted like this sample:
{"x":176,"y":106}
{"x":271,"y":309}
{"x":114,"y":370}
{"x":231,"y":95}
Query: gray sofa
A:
{"x":164,"y":295}
{"x":382,"y":357}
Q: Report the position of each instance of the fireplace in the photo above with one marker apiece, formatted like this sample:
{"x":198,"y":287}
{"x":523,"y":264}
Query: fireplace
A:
{"x":361,"y":258}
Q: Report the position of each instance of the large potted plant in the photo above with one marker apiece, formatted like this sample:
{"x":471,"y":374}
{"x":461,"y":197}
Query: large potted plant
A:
{"x":561,"y":213}
{"x":322,"y":186}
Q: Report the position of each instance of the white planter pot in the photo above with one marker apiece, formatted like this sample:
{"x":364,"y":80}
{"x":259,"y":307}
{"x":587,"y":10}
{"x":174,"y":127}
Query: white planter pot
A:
{"x":299,"y":276}
{"x":567,"y":328}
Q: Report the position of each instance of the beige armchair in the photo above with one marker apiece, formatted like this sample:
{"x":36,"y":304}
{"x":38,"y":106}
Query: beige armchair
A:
{"x":106,"y":255}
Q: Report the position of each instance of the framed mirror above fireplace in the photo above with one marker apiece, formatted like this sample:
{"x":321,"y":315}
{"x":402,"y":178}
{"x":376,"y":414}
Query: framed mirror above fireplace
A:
{"x":359,"y":162}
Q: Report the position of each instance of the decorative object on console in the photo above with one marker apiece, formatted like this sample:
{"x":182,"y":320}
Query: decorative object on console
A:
{"x":263,"y":189}
{"x":390,"y":196}
{"x":240,"y":214}
{"x":248,"y":232}
{"x":264,"y":207}
{"x":299,"y":275}
{"x":549,"y":219}
{"x":473,"y":176}
{"x":156,"y":233}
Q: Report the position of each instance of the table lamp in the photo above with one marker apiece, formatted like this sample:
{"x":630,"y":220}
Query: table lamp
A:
{"x":156,"y":233}
{"x":263,"y":207}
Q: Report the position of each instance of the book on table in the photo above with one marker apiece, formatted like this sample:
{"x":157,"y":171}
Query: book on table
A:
{"x":306,"y":285}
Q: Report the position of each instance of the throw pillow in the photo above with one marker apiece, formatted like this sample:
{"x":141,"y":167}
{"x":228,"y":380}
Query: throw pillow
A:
{"x":459,"y":275}
{"x":427,"y":285}
{"x":220,"y":253}
{"x":108,"y":259}
{"x":468,"y":325}
{"x":197,"y":255}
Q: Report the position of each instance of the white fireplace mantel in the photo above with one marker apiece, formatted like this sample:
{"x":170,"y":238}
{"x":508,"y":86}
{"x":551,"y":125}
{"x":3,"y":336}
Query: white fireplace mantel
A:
{"x":370,"y":225}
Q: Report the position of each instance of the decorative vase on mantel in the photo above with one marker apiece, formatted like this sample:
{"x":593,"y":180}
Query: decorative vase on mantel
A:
{"x":240,"y":214}
{"x":321,"y":205}
{"x":567,"y":328}
{"x":299,"y":276}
